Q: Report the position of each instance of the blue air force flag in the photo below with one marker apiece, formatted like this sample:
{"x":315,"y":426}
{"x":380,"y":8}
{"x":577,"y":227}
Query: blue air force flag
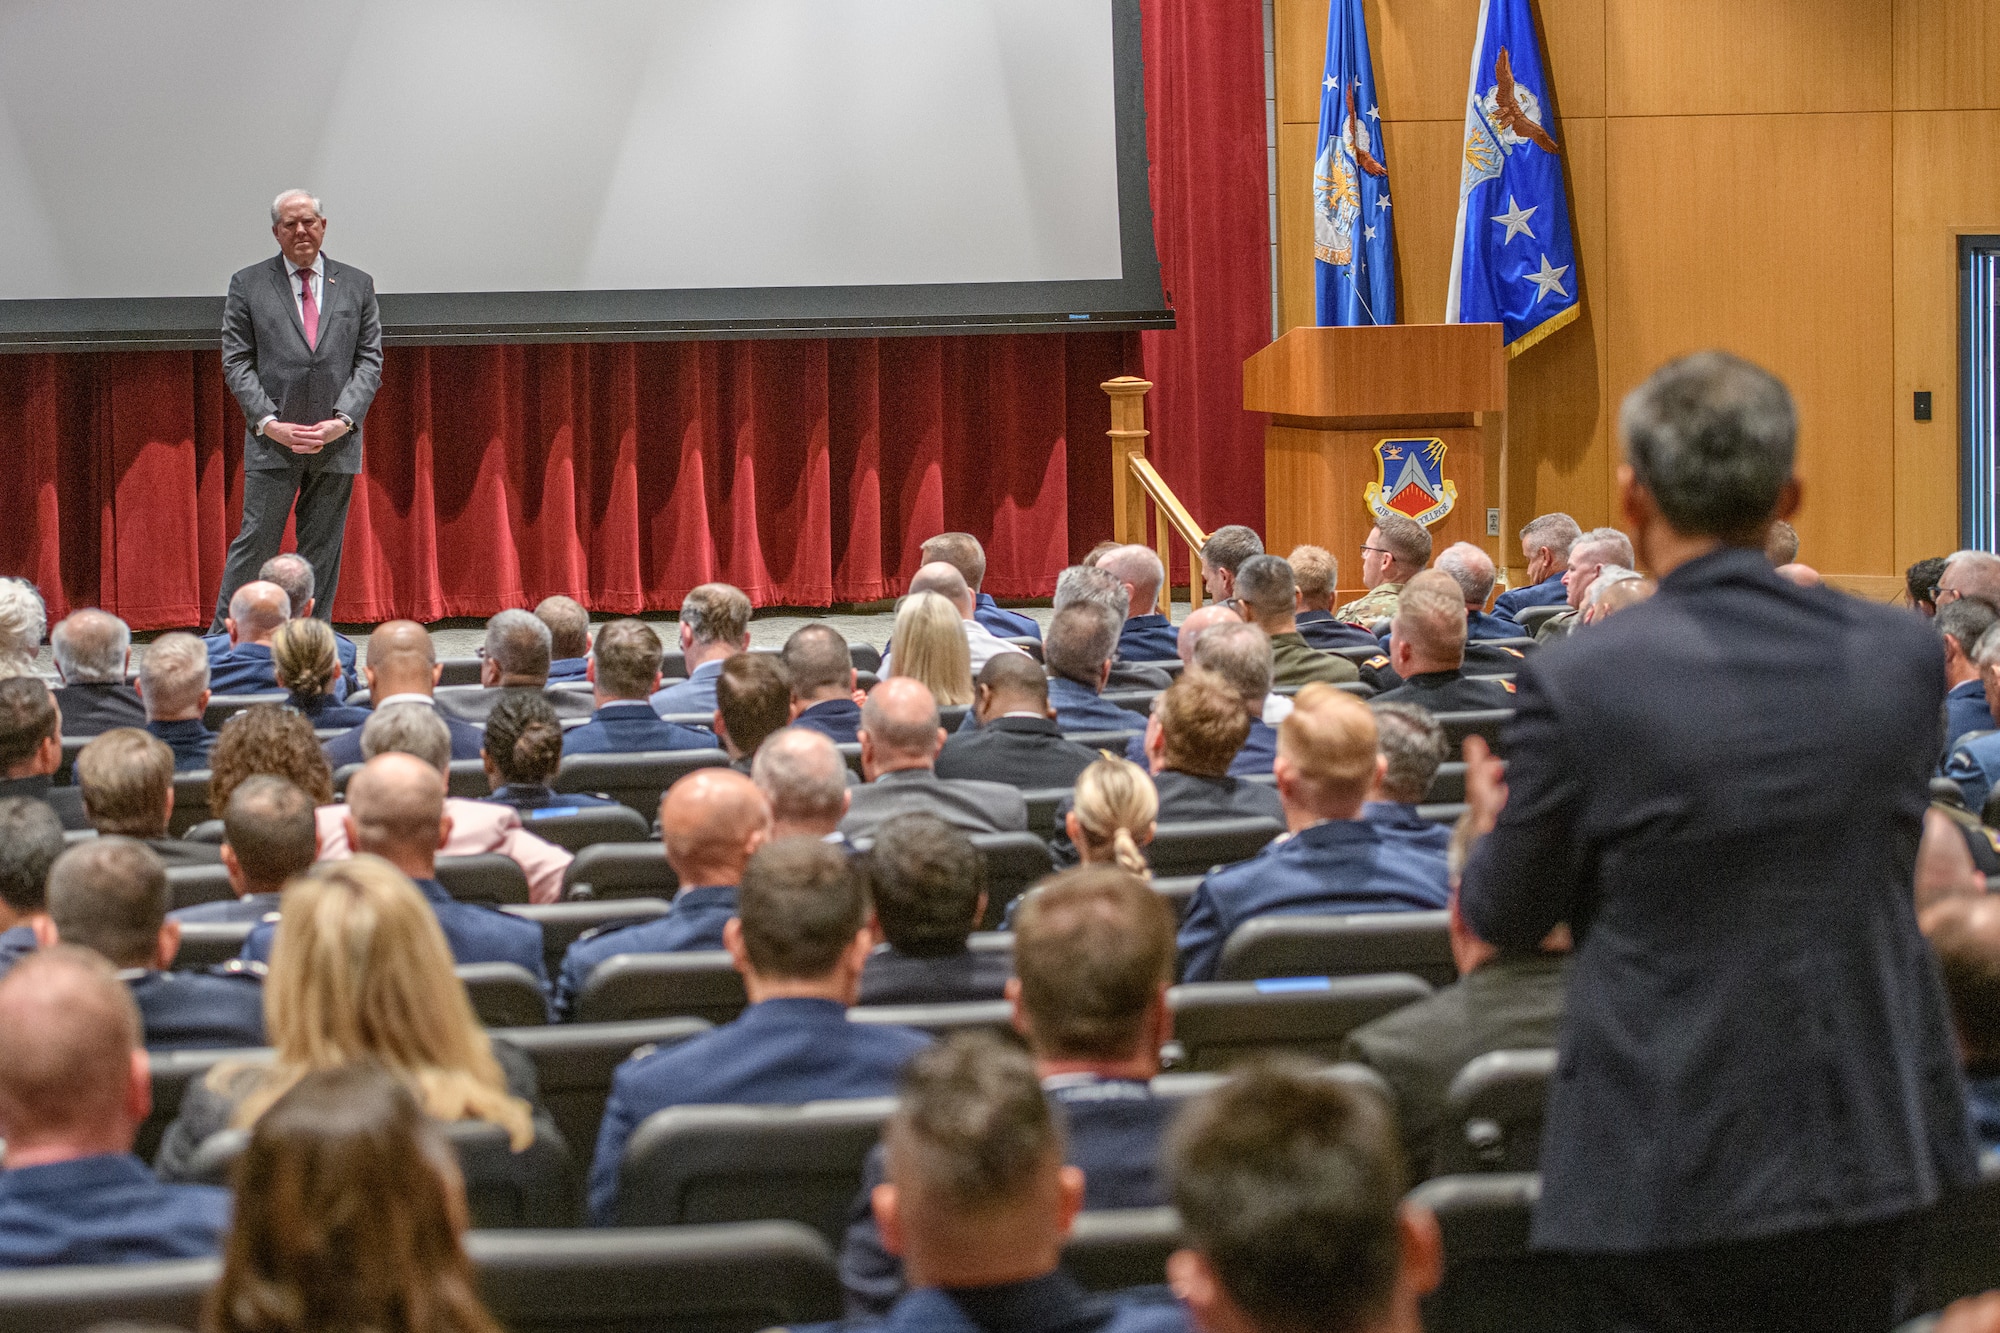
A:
{"x":1354,"y":271}
{"x":1514,"y":260}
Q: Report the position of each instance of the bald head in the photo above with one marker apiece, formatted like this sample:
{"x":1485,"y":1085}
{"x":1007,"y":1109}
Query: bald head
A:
{"x":72,"y":1074}
{"x":711,"y":821}
{"x":1472,"y":569}
{"x":1207,"y":618}
{"x":1428,"y":630}
{"x":395,"y":810}
{"x":401,"y":660}
{"x":899,"y":726}
{"x":1803,"y":575}
{"x":256,"y":611}
{"x":946,"y":582}
{"x":1012,"y":683}
{"x":1140,"y":570}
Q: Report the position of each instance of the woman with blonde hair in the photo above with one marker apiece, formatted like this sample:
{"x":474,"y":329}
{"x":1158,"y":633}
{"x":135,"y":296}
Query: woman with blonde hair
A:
{"x":361,"y":972}
{"x":304,"y":660}
{"x":929,"y":645}
{"x":1114,"y":815}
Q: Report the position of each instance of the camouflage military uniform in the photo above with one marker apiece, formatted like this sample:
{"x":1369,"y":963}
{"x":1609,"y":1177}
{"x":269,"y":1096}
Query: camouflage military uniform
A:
{"x":1379,"y":604}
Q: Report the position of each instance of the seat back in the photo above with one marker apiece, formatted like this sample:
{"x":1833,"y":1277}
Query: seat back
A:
{"x":1015,"y":862}
{"x":466,"y":779}
{"x":1491,"y":1279}
{"x":206,"y":944}
{"x":65,"y":774}
{"x":695,"y":984}
{"x":504,"y":995}
{"x":718,"y":1279}
{"x":1042,"y":803}
{"x":1178,"y":890}
{"x":1448,"y":785}
{"x":222,"y":707}
{"x":1221,"y":1023}
{"x":1137,"y":702}
{"x":172,"y":1073}
{"x":1355,"y":944}
{"x":190,"y":886}
{"x":1484,"y":722}
{"x":1493,"y":1113}
{"x":564,"y":923}
{"x":574,"y":1063}
{"x":1115,"y":1249}
{"x":68,"y":1300}
{"x":612,"y":870}
{"x":940,"y":1020}
{"x":636,"y":780}
{"x":1184,"y":1086}
{"x":749,"y":1163}
{"x":210,"y":831}
{"x":190,"y":802}
{"x":1199,"y":846}
{"x":1533,"y":618}
{"x":864,"y":657}
{"x":488,"y":878}
{"x":850,"y":754}
{"x":458,"y":671}
{"x":574,"y":828}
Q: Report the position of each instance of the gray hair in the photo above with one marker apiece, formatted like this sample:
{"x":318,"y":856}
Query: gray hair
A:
{"x":1241,"y":655}
{"x":1966,"y":620}
{"x":1266,"y":584}
{"x":1471,"y":568}
{"x":802,"y":775}
{"x":1986,"y":652}
{"x":1556,"y":531}
{"x":1608,"y":545}
{"x":1607,"y":578}
{"x":1711,"y":438}
{"x":278,"y":204}
{"x":1085,"y":583}
{"x":716,"y":613}
{"x":23,"y":621}
{"x":1140,"y":567}
{"x":1229,"y":546}
{"x":293,"y":573}
{"x":1081,"y":639}
{"x":91,"y":647}
{"x":1978,"y":574}
{"x":519,"y":643}
{"x":1414,"y":745}
{"x":412,"y":729}
{"x":173,"y":673}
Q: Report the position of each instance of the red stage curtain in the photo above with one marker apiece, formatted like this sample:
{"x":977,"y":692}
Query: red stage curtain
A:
{"x":805,"y":472}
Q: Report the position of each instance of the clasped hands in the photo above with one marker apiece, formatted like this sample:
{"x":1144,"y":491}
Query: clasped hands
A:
{"x":306,"y":439}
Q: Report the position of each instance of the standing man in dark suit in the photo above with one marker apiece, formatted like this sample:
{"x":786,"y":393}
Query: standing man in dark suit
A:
{"x":1721,"y":790}
{"x":302,"y":352}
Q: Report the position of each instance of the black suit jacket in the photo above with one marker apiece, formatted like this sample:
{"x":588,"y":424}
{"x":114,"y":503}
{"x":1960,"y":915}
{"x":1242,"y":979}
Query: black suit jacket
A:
{"x":1025,"y":752}
{"x":473,"y":707}
{"x":67,"y":802}
{"x":92,"y":710}
{"x":1186,"y":798}
{"x":1722,"y":791}
{"x":268,"y":366}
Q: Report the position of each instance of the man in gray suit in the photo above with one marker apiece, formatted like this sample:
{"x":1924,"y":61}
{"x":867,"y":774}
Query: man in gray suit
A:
{"x":302,"y":352}
{"x":900,"y":737}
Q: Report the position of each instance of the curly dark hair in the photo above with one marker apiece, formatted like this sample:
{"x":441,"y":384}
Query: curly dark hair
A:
{"x":524,"y":737}
{"x":273,"y":739}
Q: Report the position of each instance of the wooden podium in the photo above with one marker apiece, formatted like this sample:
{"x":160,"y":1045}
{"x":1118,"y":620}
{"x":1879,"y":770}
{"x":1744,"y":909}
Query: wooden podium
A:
{"x":1334,"y":394}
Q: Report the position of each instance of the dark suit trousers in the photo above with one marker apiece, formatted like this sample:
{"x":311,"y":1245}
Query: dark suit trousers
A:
{"x":268,"y":497}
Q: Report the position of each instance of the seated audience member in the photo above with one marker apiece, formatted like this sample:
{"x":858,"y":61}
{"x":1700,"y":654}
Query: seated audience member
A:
{"x":1616,"y":590}
{"x":934,"y":653}
{"x":624,"y":673}
{"x":1112,"y":816}
{"x":514,"y":659}
{"x":110,"y":895}
{"x":1965,"y":932}
{"x":269,"y":838}
{"x":823,"y":683}
{"x":1103,"y":588}
{"x":1017,"y":741}
{"x":1920,"y":582}
{"x":402,"y":669}
{"x":271,"y":740}
{"x":1472,"y":569}
{"x":1315,"y":576}
{"x":31,"y":838}
{"x":1973,"y":683}
{"x":362,"y":974}
{"x":927,"y":884}
{"x":1545,"y":546}
{"x":714,"y":627}
{"x":1267,"y":597}
{"x":523,"y":750}
{"x":92,"y":650}
{"x":971,"y":1194}
{"x":1240,"y":656}
{"x":23,"y":620}
{"x":1196,"y":729}
{"x":1290,"y":1194}
{"x":711,"y":822}
{"x":1504,"y":1000}
{"x":900,"y":738}
{"x":255,"y":613}
{"x":753,"y":699}
{"x":1222,"y":555}
{"x":349,"y":1216}
{"x":962,"y":551}
{"x":293,"y":573}
{"x":1081,"y":640}
{"x":800,"y":938}
{"x":1412,"y":746}
{"x":127,"y":780}
{"x":1146,"y":635}
{"x":569,"y":637}
{"x":1969,"y":574}
{"x":981,"y":644}
{"x":1781,"y":544}
{"x":31,"y":749}
{"x":1336,"y":860}
{"x":1427,"y":649}
{"x":1588,"y":555}
{"x":305,"y":661}
{"x":1397,"y":550}
{"x":173,"y":684}
{"x":805,"y":780}
{"x":473,"y":828}
{"x":396,"y":811}
{"x":1803,"y":575}
{"x":74,"y":1089}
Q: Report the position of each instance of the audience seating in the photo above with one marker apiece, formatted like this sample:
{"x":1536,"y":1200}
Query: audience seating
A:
{"x":941,"y":1020}
{"x":222,"y":707}
{"x":574,"y":1063}
{"x":749,"y":1163}
{"x":65,"y":774}
{"x":673,"y":665}
{"x":1491,"y":1279}
{"x":1493,"y":1113}
{"x":1178,"y":890}
{"x":1533,"y":618}
{"x":1196,"y":847}
{"x":1962,"y":1241}
{"x":1447,"y":813}
{"x":1042,"y":803}
{"x":1486,"y":722}
{"x":1354,"y":944}
{"x":1114,"y":741}
{"x":1221,"y":1023}
{"x":207,"y":944}
{"x":1015,"y":862}
{"x":864,"y":657}
{"x":574,"y":828}
{"x":467,"y":780}
{"x":1949,"y":792}
{"x":1173,"y":666}
{"x":504,"y":995}
{"x":563,"y":924}
{"x":190,"y":802}
{"x":850,"y":753}
{"x":172,"y":1072}
{"x":459,"y":671}
{"x":1114,"y":1249}
{"x":950,"y":716}
{"x":1032,"y":647}
{"x":1448,"y":784}
{"x":629,"y":870}
{"x":488,"y":878}
{"x":210,"y":831}
{"x":1519,"y":643}
{"x":158,"y":1296}
{"x":73,"y":836}
{"x":190,"y":886}
{"x":695,"y":984}
{"x":1183,"y":1085}
{"x":637,"y":780}
{"x":1139,"y":702}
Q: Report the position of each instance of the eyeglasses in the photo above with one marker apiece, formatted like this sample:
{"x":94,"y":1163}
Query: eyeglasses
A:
{"x":1945,"y":596}
{"x":1378,"y":550}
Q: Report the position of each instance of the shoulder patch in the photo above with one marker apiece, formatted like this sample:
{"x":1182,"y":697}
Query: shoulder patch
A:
{"x":1508,"y":686}
{"x":1377,"y":661}
{"x":1515,"y":652}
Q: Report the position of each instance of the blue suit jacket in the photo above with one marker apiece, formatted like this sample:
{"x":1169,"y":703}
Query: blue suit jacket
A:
{"x":839,"y":720}
{"x":1549,"y":592}
{"x":219,"y":649}
{"x":189,"y":739}
{"x":1320,"y":630}
{"x":631,"y":726}
{"x":476,"y":934}
{"x":109,"y":1209}
{"x":1480,"y":625}
{"x":695,"y":922}
{"x":1965,"y":710}
{"x":16,"y":943}
{"x":1079,"y":708}
{"x":544,"y":801}
{"x":325,"y":713}
{"x":1974,"y":764}
{"x":254,"y":908}
{"x":244,"y":668}
{"x":696,"y":694}
{"x":1259,"y":752}
{"x":1003,"y":623}
{"x":185,"y":1011}
{"x":1148,"y":638}
{"x":1051,"y":1304}
{"x":1722,"y":791}
{"x":569,"y":668}
{"x":1378,"y":864}
{"x":466,"y":742}
{"x":780,"y":1052}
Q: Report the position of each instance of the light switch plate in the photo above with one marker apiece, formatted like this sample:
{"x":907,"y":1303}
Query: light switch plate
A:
{"x":1493,"y":523}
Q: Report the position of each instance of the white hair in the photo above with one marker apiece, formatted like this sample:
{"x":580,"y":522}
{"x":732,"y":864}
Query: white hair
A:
{"x":278,"y":204}
{"x":91,"y":647}
{"x":1607,"y":578}
{"x":23,"y":621}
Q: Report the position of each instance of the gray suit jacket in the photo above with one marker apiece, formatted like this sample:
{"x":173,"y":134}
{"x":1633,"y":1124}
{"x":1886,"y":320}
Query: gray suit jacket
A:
{"x":267,"y":365}
{"x":975,"y":807}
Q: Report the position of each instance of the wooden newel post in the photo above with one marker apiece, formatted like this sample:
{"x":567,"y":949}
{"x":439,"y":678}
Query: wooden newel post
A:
{"x":1128,"y":436}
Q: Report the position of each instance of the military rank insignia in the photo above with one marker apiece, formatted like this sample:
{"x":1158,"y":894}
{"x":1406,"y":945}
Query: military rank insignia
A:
{"x":1410,"y":481}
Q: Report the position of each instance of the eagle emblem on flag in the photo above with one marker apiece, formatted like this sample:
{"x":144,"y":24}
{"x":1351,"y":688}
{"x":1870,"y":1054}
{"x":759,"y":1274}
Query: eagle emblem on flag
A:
{"x":1410,"y":481}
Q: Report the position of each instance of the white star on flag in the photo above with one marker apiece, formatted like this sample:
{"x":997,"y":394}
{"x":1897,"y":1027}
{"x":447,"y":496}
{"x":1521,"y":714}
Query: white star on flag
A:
{"x":1515,"y":220}
{"x":1549,"y":279}
{"x":1331,"y":83}
{"x":1383,"y":202}
{"x":1374,"y":113}
{"x":1367,"y":233}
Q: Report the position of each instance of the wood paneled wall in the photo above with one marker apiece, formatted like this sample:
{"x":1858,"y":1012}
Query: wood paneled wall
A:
{"x":1782,"y":178}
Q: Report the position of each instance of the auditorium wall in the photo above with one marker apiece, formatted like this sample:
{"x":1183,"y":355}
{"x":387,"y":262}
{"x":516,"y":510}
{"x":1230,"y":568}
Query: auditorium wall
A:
{"x":1783,"y":178}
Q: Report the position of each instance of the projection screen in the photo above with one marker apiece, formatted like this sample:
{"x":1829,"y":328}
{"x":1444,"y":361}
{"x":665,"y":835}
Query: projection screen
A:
{"x":558,"y":170}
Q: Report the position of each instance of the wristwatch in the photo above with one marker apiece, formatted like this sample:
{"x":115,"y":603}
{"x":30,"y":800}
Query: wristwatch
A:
{"x":345,"y":420}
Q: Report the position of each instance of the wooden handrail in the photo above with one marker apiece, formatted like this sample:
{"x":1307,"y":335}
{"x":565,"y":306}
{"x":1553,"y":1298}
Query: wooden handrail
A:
{"x":1129,"y":464}
{"x":1172,"y":515}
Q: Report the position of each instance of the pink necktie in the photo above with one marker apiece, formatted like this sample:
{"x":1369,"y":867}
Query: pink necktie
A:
{"x":308,"y":308}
